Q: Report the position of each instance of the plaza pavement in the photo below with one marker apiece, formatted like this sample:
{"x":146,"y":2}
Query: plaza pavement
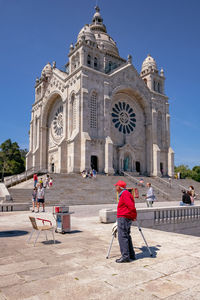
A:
{"x":76,"y":266}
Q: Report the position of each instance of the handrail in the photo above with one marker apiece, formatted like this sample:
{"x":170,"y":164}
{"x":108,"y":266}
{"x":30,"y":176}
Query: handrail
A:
{"x":169,"y":183}
{"x":154,"y":186}
{"x":14,"y":179}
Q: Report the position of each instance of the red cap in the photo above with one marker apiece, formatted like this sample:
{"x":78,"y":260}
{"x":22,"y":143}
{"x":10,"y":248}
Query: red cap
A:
{"x":121,"y":183}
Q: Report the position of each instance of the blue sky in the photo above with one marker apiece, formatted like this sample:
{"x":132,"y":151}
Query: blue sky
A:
{"x":34,"y":32}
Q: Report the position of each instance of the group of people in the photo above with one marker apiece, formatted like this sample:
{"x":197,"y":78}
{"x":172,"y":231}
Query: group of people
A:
{"x":38,"y":194}
{"x":188,"y":196}
{"x":89,"y":174}
{"x":48,"y":182}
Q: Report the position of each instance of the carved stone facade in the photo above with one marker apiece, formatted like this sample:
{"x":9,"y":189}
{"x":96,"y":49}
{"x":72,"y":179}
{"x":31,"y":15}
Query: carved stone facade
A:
{"x":100,"y":113}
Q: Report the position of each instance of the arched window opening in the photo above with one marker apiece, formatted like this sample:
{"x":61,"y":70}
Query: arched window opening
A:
{"x":158,"y":87}
{"x":145,"y":81}
{"x":154,"y":85}
{"x":159,"y":129}
{"x":73,"y":112}
{"x":89,"y":60}
{"x":93,"y":110}
{"x":95,"y":63}
{"x":73,"y":63}
{"x":110,"y":66}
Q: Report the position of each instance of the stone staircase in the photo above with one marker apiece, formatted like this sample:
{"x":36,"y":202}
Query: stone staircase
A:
{"x":73,"y":189}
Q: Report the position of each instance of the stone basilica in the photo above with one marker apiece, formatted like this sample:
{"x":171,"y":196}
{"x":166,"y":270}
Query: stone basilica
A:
{"x":99,"y":112}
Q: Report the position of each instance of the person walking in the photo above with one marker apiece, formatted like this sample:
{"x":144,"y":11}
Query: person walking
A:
{"x":35,"y":179}
{"x":40,"y":198}
{"x":41,"y":181}
{"x":47,"y":181}
{"x":50,"y":182}
{"x":126,"y":213}
{"x":150,"y":197}
{"x":34,"y":198}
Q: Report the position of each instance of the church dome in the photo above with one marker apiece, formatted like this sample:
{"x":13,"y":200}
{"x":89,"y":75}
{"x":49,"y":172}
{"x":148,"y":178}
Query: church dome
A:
{"x":86,"y":33}
{"x":104,"y":41}
{"x":149,"y":63}
{"x":47,"y":70}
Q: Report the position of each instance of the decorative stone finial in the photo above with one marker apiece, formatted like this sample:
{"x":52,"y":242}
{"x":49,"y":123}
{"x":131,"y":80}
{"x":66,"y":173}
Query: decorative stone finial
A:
{"x":162,"y":72}
{"x":129,"y":60}
{"x":37,"y":80}
{"x":54,"y":65}
{"x":97,"y":8}
{"x":71,"y":47}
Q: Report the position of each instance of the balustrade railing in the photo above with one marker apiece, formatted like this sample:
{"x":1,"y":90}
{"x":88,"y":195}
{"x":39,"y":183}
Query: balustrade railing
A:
{"x":176,"y":214}
{"x":14,"y":179}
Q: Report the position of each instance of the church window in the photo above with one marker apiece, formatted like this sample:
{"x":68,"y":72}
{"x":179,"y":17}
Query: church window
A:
{"x":57,"y":123}
{"x":159,"y":129}
{"x":123,"y":117}
{"x":89,"y":60}
{"x":154,"y":85}
{"x":158,"y":87}
{"x":110,"y":66}
{"x":145,"y":81}
{"x":73,"y":112}
{"x":93,"y":110}
{"x":95,"y":63}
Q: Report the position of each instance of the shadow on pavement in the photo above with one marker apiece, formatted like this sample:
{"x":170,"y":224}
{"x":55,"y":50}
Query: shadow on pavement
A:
{"x":50,"y":242}
{"x":73,"y":231}
{"x":12,"y":233}
{"x":145,"y":253}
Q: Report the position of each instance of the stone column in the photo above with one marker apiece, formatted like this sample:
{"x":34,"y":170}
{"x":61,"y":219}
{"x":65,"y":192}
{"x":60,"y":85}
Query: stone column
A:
{"x":109,"y":156}
{"x":156,"y":160}
{"x":149,"y":149}
{"x":31,"y":137}
{"x":154,"y":126}
{"x":170,"y":162}
{"x":82,"y":57}
{"x":85,"y":150}
{"x":43,"y":148}
{"x":62,"y":157}
{"x":108,"y":141}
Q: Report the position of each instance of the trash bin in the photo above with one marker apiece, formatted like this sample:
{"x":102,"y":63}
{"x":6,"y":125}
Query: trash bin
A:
{"x":63,"y":218}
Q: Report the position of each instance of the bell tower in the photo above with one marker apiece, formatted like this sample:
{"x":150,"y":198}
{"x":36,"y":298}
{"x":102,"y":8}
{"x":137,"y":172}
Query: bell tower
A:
{"x":151,"y":76}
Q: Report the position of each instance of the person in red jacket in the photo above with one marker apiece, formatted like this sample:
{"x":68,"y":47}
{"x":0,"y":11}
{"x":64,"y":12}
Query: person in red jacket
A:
{"x":35,"y":179}
{"x":126,"y":213}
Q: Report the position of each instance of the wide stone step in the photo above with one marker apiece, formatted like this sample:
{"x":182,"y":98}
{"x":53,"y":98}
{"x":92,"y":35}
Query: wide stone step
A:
{"x":75,"y":190}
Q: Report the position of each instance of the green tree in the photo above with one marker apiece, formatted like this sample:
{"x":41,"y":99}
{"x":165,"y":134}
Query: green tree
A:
{"x":184,"y":170}
{"x":195,"y":173}
{"x":11,"y":161}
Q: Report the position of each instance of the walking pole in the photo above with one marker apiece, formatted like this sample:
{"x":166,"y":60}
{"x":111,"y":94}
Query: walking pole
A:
{"x":140,"y":230}
{"x":108,"y":254}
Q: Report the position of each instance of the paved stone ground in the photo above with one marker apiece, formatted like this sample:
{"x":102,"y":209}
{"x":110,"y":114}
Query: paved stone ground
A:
{"x":76,"y":266}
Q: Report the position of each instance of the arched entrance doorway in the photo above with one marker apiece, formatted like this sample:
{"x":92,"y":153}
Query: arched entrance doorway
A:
{"x":137,"y":166}
{"x":127,"y":163}
{"x":161,"y":168}
{"x":52,"y":168}
{"x":94,"y":162}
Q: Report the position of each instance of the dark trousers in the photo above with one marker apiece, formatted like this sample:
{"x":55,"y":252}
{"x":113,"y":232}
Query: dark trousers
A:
{"x":124,"y":238}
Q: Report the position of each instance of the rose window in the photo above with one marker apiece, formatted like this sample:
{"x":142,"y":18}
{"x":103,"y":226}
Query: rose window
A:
{"x":123,"y":117}
{"x":57,"y":124}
